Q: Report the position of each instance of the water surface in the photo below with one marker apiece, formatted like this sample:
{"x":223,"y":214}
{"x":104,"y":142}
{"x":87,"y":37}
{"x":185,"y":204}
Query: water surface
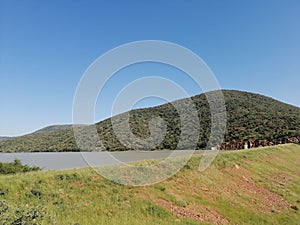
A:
{"x":69,"y":160}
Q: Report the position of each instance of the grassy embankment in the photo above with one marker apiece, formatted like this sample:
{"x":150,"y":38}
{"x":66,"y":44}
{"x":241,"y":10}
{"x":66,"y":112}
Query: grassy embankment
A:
{"x":259,"y":186}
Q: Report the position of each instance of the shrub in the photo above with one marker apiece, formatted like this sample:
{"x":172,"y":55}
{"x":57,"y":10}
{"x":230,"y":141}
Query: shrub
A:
{"x":21,"y":215}
{"x":156,"y":211}
{"x":16,"y":167}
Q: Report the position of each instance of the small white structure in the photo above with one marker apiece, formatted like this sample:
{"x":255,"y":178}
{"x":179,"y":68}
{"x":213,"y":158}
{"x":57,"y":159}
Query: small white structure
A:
{"x":246,"y":145}
{"x":214,"y":148}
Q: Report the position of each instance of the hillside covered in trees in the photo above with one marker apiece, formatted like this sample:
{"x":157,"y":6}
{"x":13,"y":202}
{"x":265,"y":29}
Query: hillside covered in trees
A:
{"x":249,"y":117}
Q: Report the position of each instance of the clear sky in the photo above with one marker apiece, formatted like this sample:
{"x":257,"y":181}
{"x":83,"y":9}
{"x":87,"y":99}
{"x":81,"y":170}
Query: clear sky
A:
{"x":45,"y":47}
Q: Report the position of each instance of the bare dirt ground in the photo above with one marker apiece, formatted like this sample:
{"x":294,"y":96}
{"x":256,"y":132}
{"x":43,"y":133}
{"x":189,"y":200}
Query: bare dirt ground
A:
{"x":203,"y":214}
{"x":264,"y":200}
{"x":239,"y":188}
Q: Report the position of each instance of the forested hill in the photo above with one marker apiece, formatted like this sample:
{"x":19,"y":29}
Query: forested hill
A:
{"x":249,"y":117}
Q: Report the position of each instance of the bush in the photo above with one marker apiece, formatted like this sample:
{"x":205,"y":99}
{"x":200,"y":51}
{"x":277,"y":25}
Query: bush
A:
{"x":16,"y":167}
{"x":187,"y":167}
{"x":156,"y":211}
{"x":161,"y":188}
{"x":36,"y":193}
{"x":73,"y":177}
{"x":21,"y":216}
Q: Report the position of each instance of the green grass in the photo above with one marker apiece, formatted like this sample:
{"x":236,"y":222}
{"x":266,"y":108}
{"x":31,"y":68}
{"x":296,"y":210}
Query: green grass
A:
{"x":83,"y":197}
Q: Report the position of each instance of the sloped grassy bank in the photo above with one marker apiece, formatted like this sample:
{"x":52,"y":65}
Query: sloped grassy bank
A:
{"x":259,"y":186}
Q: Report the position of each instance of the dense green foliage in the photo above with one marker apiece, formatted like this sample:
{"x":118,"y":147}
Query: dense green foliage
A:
{"x":16,"y":167}
{"x":259,"y":186}
{"x":24,"y":216}
{"x":249,"y":116}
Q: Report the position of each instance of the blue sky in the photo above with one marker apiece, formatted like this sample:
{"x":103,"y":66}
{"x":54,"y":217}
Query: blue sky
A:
{"x":45,"y":47}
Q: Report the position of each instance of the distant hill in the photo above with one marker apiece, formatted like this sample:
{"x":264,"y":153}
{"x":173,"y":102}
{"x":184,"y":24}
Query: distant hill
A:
{"x":249,"y":117}
{"x":42,"y":131}
{"x":4,"y":138}
{"x":52,"y":128}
